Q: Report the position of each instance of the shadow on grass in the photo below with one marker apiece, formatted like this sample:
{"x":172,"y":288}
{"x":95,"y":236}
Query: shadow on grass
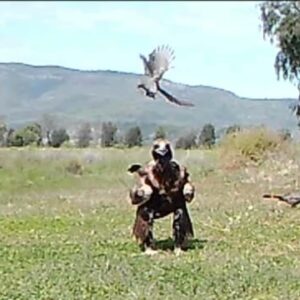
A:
{"x":168,"y":244}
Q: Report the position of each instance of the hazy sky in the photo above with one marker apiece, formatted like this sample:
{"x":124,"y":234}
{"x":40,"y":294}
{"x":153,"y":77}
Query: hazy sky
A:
{"x":216,"y":43}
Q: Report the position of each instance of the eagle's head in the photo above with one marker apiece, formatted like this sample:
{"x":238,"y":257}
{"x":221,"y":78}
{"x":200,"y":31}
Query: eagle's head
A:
{"x":161,"y":151}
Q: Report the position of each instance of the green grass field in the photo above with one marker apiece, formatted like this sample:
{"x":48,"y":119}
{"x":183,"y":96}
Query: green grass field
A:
{"x":65,"y":233}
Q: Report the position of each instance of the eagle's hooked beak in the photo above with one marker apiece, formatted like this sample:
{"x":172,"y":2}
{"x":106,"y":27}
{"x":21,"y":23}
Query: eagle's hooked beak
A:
{"x":161,"y":151}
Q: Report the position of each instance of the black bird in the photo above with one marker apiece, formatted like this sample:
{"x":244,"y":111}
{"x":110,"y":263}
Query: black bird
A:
{"x":292,"y":199}
{"x":158,"y":63}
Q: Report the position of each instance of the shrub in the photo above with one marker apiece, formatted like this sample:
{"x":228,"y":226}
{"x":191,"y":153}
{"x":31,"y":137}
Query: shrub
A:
{"x":160,"y":133}
{"x":58,"y":137}
{"x":67,"y":145}
{"x":74,"y":167}
{"x":133,"y":137}
{"x":285,"y":135}
{"x":29,"y":135}
{"x":251,"y":144}
{"x":3,"y":132}
{"x":207,"y":136}
{"x":187,"y":141}
{"x":232,"y":129}
{"x":108,"y":134}
{"x":84,"y":135}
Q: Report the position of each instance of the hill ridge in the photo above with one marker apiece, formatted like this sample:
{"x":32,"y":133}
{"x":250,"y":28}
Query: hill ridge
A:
{"x":135,"y":74}
{"x":28,"y":91}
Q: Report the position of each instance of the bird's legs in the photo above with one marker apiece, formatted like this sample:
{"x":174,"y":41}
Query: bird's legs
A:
{"x":148,"y":93}
{"x":178,"y":233}
{"x":143,"y":229}
{"x":148,"y":244}
{"x":182,"y":228}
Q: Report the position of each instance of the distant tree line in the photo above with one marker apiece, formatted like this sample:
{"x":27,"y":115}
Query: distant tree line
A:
{"x":206,"y":138}
{"x":31,"y":134}
{"x":49,"y":133}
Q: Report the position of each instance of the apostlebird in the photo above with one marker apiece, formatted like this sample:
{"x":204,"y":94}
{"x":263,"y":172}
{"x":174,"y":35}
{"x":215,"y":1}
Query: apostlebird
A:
{"x":292,"y":198}
{"x":159,"y":61}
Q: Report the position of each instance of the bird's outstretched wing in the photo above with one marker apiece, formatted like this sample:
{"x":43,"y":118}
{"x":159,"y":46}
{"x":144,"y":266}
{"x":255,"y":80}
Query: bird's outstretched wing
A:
{"x":147,"y":69}
{"x":160,"y":61}
{"x":172,"y":98}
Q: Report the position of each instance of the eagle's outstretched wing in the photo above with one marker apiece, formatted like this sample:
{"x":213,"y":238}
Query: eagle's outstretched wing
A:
{"x":160,"y":61}
{"x":172,"y":98}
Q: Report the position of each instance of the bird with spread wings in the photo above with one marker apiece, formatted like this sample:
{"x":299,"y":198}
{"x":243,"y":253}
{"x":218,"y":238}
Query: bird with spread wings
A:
{"x":159,"y":61}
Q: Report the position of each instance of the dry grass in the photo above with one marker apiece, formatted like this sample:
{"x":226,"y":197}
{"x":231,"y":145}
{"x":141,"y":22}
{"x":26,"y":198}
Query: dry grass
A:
{"x":249,"y":145}
{"x":67,"y":236}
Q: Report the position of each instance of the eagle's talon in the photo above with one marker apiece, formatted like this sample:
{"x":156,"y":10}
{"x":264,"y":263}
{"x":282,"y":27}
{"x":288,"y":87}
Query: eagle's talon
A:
{"x":188,"y":192}
{"x":150,"y":251}
{"x":140,"y":195}
{"x":178,"y":251}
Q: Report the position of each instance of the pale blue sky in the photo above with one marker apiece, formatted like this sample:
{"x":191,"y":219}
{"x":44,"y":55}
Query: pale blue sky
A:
{"x":216,"y":43}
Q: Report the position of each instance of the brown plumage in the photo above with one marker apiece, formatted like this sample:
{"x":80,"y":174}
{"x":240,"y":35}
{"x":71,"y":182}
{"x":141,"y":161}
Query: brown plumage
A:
{"x":158,"y":63}
{"x":292,"y":199}
{"x":164,"y":188}
{"x":163,"y":173}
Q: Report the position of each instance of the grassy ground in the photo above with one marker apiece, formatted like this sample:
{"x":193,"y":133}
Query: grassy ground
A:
{"x":65,"y":232}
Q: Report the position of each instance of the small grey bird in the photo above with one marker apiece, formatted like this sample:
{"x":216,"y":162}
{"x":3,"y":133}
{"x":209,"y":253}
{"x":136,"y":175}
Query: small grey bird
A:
{"x":158,"y":63}
{"x":291,"y":198}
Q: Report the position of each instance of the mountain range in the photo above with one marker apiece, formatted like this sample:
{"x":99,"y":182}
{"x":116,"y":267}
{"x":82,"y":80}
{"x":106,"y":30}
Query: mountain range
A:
{"x":28,"y":92}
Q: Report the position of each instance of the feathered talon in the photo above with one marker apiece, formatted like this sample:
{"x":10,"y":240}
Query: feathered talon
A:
{"x":150,"y":251}
{"x":188,"y":192}
{"x":178,"y":251}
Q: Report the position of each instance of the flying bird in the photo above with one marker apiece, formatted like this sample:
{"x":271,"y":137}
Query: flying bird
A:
{"x":159,"y":62}
{"x":292,"y":199}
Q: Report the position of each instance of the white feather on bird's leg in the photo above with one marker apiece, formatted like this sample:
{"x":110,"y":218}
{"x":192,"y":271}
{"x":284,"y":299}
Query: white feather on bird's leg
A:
{"x":159,"y":62}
